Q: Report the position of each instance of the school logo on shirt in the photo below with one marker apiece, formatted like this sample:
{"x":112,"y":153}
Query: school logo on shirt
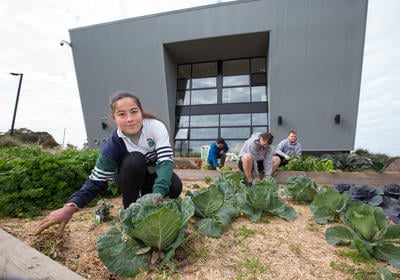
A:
{"x":150,"y":142}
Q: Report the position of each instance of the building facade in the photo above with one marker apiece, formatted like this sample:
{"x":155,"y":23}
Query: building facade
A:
{"x":229,"y":70}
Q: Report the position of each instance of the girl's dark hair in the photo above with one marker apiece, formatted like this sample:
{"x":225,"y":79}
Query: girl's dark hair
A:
{"x":122,"y":94}
{"x":146,"y":115}
{"x":267,"y":137}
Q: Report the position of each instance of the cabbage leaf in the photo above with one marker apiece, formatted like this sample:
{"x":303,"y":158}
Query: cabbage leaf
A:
{"x":367,"y":229}
{"x":263,"y":197}
{"x":215,"y":206}
{"x":328,"y":204}
{"x":151,"y":226}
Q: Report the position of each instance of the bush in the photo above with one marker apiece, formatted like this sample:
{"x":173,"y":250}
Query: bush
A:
{"x":33,"y":179}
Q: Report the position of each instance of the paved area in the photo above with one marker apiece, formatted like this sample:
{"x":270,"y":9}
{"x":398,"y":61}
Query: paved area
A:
{"x":391,"y":176}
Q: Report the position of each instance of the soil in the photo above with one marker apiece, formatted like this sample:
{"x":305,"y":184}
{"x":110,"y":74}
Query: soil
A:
{"x":271,"y":249}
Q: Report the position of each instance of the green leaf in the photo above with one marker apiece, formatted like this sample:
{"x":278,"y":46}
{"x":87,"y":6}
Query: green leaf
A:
{"x":390,"y":253}
{"x":367,"y":221}
{"x":338,"y":235}
{"x":301,"y":189}
{"x":392,"y":234}
{"x":208,"y":201}
{"x":328,"y":204}
{"x":159,"y":229}
{"x":384,"y":273}
{"x":118,"y":252}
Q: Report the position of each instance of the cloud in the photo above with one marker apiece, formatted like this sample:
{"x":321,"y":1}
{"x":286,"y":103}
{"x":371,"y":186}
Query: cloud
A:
{"x":32,"y":31}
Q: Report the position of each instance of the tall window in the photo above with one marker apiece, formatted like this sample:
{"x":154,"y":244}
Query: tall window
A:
{"x":220,"y":99}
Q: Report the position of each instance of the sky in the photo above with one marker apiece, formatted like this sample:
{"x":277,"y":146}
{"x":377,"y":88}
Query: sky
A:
{"x":31,"y":32}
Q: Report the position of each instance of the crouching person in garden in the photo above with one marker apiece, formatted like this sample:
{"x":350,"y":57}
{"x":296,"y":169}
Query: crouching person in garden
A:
{"x":255,"y":157}
{"x":137,"y":155}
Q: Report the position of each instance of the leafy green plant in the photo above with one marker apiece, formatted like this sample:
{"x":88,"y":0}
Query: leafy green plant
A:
{"x":151,"y":230}
{"x":328,"y":204}
{"x":384,"y":273}
{"x":102,"y":212}
{"x":215,"y":206}
{"x":347,"y":162}
{"x":263,"y":197}
{"x":34,"y":179}
{"x":308,"y":163}
{"x":367,"y":229}
{"x":380,"y":162}
{"x":361,"y":160}
{"x":301,"y":189}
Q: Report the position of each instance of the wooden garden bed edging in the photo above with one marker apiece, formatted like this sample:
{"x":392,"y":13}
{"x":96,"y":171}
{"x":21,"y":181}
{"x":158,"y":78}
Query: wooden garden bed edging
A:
{"x":19,"y":261}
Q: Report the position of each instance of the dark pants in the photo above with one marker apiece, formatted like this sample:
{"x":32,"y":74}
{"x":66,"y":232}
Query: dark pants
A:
{"x":222,"y":158}
{"x":283,"y":160}
{"x":134,"y":180}
{"x":260,"y":165}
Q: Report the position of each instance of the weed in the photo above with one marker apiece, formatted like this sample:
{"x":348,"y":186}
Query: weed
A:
{"x":313,"y":228}
{"x":244,"y":232}
{"x":295,"y":249}
{"x":253,"y":267}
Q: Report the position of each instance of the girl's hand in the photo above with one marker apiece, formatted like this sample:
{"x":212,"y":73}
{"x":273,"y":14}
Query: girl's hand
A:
{"x":60,"y":216}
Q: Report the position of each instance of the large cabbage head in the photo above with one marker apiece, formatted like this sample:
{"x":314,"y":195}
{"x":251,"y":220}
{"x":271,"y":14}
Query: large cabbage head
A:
{"x":367,"y":221}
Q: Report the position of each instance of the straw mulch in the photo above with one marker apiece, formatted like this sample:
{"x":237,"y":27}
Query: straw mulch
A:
{"x":272,"y":249}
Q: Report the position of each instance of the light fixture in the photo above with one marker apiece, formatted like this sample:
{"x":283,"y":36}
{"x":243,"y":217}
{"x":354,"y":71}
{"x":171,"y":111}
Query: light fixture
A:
{"x":65,"y":42}
{"x":279,"y":120}
{"x":337,"y":119}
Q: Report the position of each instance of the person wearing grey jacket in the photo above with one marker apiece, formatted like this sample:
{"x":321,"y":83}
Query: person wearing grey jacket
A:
{"x":255,"y":156}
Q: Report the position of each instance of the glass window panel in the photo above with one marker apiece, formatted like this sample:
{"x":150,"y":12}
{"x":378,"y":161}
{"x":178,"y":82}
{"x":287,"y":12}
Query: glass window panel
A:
{"x":236,"y":145}
{"x":204,"y":82}
{"x":204,"y":120}
{"x":203,"y":133}
{"x":183,"y":84}
{"x":235,"y":119}
{"x":184,"y":71}
{"x":182,"y":134}
{"x":235,"y":67}
{"x":235,"y":132}
{"x":236,"y":95}
{"x":259,"y":129}
{"x":260,"y":119}
{"x":183,"y":121}
{"x":258,"y":94}
{"x":205,"y":69}
{"x":208,"y":96}
{"x":195,"y":146}
{"x":235,"y":80}
{"x":181,"y":148}
{"x":258,"y":65}
{"x":258,"y":79}
{"x":183,"y":98}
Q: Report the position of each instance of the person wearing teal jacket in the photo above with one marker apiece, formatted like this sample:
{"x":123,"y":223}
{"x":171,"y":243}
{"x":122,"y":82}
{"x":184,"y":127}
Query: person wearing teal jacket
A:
{"x":218,"y":150}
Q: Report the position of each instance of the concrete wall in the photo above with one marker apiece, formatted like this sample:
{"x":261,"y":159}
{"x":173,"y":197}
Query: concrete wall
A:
{"x":314,"y":53}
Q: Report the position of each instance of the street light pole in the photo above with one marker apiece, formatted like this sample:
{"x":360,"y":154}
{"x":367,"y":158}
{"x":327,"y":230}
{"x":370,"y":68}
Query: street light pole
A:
{"x":21,"y":75}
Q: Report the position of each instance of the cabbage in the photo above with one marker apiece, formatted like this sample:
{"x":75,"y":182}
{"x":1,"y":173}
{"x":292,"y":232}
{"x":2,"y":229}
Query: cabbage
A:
{"x":150,"y":231}
{"x":367,"y":229}
{"x":328,"y":204}
{"x":263,"y":197}
{"x":216,"y":207}
{"x":301,"y":189}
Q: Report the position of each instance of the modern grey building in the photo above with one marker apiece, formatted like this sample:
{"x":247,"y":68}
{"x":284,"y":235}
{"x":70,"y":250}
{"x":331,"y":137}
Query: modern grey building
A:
{"x":231,"y":69}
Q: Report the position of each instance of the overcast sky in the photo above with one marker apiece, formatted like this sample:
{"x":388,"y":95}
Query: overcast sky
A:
{"x":31,"y":32}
